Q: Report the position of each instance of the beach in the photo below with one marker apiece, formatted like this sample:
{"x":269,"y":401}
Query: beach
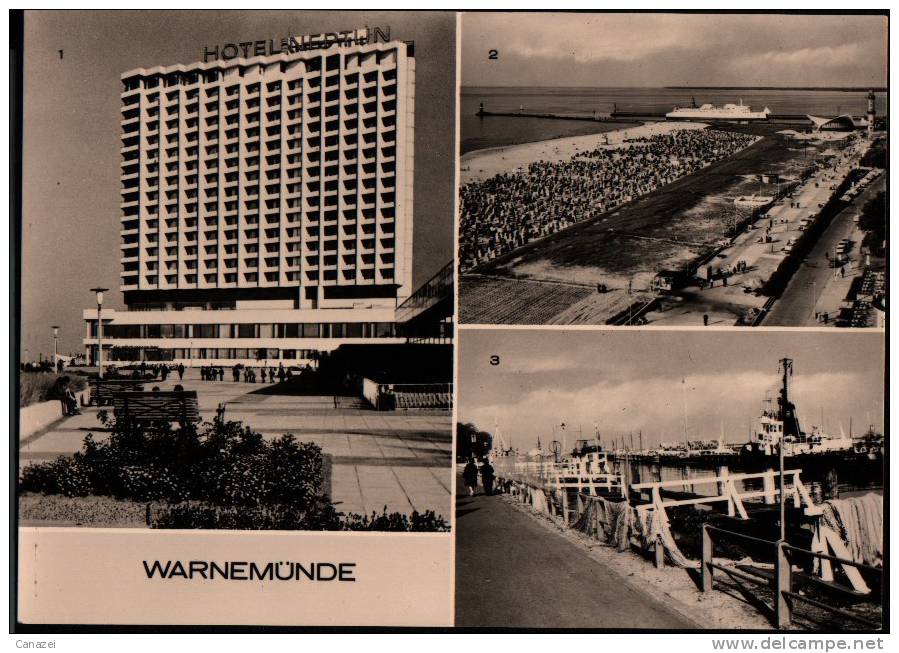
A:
{"x":483,"y":164}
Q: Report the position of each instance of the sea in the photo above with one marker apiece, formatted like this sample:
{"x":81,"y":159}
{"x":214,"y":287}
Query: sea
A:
{"x":491,"y":131}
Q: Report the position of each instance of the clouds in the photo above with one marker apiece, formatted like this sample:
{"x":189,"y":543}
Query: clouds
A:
{"x":656,"y":406}
{"x":673,"y":49}
{"x":631,"y":381}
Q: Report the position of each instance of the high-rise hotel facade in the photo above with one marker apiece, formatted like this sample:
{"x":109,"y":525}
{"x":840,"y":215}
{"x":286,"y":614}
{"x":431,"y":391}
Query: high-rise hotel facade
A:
{"x":266,"y":202}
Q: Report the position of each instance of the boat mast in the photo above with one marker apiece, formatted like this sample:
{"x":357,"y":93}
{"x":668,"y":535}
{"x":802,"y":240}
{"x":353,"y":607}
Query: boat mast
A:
{"x":787,"y":364}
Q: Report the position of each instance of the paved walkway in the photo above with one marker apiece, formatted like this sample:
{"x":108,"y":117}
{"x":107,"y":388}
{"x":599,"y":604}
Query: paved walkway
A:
{"x":725,"y":304}
{"x":816,"y":287}
{"x":513,"y":572}
{"x":399,"y":460}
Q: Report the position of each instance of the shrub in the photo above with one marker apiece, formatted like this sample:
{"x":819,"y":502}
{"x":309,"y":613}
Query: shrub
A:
{"x":220,"y":475}
{"x":224,"y":464}
{"x":321,"y":516}
{"x":61,"y":476}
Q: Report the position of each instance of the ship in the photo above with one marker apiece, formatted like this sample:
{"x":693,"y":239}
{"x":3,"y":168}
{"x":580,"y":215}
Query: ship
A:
{"x":779,"y":425}
{"x":734,"y":112}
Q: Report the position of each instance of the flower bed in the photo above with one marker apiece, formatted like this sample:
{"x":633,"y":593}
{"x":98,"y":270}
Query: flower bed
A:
{"x":218,"y":475}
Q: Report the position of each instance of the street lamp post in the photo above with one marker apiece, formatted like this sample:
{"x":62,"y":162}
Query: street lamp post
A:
{"x":55,"y":345}
{"x":99,"y":292}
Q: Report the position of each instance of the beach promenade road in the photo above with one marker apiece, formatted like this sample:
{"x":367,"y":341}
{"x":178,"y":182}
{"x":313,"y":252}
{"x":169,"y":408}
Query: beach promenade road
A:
{"x":513,"y":572}
{"x":815,"y":280}
{"x":402,"y":461}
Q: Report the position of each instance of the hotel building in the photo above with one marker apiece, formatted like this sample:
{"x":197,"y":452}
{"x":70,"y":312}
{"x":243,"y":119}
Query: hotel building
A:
{"x":266,"y":204}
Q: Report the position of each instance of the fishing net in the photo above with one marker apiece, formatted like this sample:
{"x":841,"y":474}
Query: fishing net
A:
{"x":859,"y":523}
{"x":616,"y":524}
{"x":650,"y":525}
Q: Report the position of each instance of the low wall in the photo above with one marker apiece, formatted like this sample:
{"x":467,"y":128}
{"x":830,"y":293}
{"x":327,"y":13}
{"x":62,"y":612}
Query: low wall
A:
{"x":35,"y":417}
{"x":370,"y":391}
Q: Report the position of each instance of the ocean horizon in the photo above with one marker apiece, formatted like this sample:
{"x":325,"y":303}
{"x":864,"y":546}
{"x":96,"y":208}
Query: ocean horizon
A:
{"x":482,"y":133}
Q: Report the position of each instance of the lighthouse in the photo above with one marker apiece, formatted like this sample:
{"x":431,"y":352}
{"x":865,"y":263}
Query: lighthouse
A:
{"x":871,"y":114}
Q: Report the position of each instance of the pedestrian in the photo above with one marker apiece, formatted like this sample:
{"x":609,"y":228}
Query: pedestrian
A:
{"x":71,"y":402}
{"x":180,"y":371}
{"x":221,"y":373}
{"x":470,"y":477}
{"x":487,"y":476}
{"x":705,"y":319}
{"x":281,"y":374}
{"x":235,"y":373}
{"x":842,"y":271}
{"x":271,"y":375}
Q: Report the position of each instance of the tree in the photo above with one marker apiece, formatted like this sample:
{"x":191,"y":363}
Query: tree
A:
{"x":471,"y":441}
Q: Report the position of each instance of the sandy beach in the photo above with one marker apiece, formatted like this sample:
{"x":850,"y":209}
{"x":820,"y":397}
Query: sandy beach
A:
{"x":483,"y":164}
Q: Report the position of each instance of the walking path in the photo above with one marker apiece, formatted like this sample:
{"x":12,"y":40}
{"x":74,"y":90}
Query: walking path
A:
{"x":783,"y":222}
{"x":816,"y":288}
{"x":401,"y":461}
{"x":513,"y":572}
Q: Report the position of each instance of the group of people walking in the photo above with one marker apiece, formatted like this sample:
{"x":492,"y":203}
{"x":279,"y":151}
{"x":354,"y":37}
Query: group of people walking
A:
{"x":262,"y":375}
{"x":470,"y":476}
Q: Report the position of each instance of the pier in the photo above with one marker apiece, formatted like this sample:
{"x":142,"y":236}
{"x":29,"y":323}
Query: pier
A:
{"x":623,"y":116}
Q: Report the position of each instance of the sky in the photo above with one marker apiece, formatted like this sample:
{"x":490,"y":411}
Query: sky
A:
{"x":627,"y":381}
{"x":652,"y":50}
{"x":71,"y":110}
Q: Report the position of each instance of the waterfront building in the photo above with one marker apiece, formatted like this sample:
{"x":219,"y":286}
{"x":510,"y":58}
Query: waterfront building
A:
{"x":267,"y":204}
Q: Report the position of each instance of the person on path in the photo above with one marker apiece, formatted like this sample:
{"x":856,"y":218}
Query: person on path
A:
{"x":180,"y":371}
{"x":470,"y":477}
{"x":487,"y":476}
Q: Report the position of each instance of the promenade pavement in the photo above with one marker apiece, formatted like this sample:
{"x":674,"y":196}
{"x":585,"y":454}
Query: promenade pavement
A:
{"x":726,"y":304}
{"x":513,"y":572}
{"x":401,"y":461}
{"x":816,"y":288}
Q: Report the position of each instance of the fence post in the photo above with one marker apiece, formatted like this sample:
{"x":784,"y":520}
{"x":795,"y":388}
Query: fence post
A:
{"x":783,"y":575}
{"x":768,"y":486}
{"x":659,"y":552}
{"x":565,"y":506}
{"x":706,"y":570}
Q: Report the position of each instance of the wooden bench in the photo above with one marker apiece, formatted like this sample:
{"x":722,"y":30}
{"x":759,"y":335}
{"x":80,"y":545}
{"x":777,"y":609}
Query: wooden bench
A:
{"x":168,"y":406}
{"x":103,"y":390}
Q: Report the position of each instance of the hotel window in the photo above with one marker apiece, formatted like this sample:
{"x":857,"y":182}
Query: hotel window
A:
{"x":206,"y":331}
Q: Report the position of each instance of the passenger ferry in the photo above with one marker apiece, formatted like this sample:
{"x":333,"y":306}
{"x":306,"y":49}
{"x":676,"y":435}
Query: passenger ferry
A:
{"x":737,"y":112}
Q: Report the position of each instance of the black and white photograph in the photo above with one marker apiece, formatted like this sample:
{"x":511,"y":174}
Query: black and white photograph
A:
{"x":678,"y":480}
{"x":237,"y":270}
{"x":381,"y":320}
{"x":673,"y":169}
